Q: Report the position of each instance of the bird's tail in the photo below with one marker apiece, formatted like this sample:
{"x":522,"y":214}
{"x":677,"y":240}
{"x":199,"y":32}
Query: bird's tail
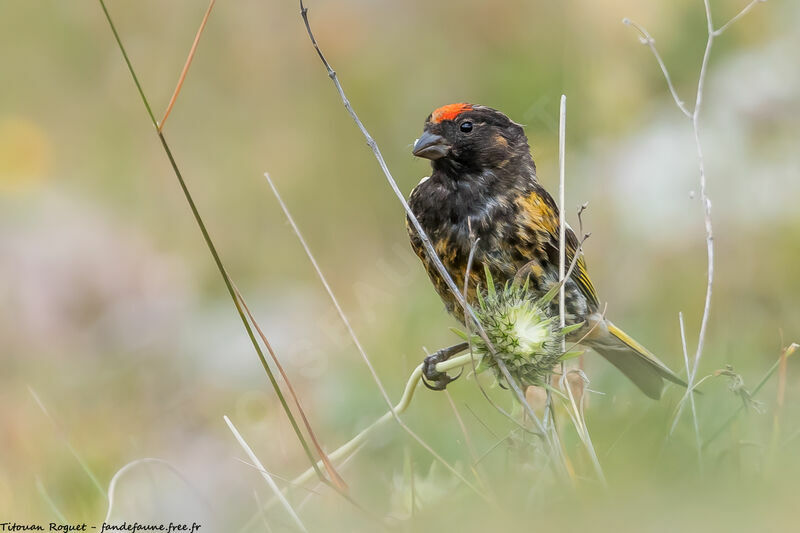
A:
{"x":633,"y":360}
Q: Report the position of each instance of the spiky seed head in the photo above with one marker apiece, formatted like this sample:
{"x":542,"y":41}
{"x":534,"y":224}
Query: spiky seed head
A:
{"x":521,"y":330}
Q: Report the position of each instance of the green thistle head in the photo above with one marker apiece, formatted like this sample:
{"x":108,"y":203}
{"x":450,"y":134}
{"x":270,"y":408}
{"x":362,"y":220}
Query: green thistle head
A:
{"x":523,"y":333}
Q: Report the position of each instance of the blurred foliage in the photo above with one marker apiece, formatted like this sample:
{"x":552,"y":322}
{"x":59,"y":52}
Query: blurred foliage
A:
{"x":114,"y":313}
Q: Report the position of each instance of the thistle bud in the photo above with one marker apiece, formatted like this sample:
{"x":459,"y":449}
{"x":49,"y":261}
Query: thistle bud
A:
{"x":522,"y":332}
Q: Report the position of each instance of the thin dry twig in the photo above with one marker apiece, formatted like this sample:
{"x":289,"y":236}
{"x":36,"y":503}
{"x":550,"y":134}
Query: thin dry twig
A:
{"x":480,"y":421}
{"x":357,"y":343}
{"x":461,"y":425}
{"x":704,"y":196}
{"x":328,"y":289}
{"x":689,"y":392}
{"x":562,"y":222}
{"x":479,"y":475}
{"x":562,"y":275}
{"x":431,"y":252}
{"x":272,"y":485}
{"x":494,"y":446}
{"x":647,"y":39}
{"x":578,"y":253}
{"x":186,"y":66}
{"x":468,"y":325}
{"x":694,"y":115}
{"x":703,"y":189}
{"x":739,"y":15}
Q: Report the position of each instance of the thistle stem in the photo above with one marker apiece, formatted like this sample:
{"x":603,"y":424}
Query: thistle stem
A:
{"x":405,"y":401}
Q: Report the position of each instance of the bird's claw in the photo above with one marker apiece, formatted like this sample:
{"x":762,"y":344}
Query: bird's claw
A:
{"x":432,"y":378}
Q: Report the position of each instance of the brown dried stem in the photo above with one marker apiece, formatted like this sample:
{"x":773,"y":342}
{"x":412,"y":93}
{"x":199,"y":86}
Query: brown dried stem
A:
{"x":186,"y":66}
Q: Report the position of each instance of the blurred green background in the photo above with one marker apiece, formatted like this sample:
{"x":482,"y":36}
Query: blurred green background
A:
{"x":113,"y":312}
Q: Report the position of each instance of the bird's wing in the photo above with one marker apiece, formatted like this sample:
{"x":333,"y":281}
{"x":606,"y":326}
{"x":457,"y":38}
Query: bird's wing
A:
{"x":542,"y":213}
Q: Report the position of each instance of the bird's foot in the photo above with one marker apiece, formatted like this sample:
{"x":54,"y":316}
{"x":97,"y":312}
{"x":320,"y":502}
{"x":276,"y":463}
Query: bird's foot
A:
{"x":432,"y":378}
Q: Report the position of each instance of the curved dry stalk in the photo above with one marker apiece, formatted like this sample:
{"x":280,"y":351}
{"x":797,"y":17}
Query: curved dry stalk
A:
{"x":392,"y":410}
{"x":112,"y":486}
{"x":405,"y":400}
{"x":429,"y":249}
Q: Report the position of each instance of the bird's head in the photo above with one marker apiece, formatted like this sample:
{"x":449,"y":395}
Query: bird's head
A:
{"x":470,"y":138}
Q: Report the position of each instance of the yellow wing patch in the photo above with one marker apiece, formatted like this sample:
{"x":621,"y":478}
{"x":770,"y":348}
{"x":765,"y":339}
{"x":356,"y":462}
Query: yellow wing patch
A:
{"x":544,"y":215}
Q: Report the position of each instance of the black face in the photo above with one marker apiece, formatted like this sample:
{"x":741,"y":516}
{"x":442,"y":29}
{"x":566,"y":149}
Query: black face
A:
{"x":477,"y":139}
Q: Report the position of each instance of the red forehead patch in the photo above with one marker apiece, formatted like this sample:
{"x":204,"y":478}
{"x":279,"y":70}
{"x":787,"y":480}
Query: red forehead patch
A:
{"x":449,"y":112}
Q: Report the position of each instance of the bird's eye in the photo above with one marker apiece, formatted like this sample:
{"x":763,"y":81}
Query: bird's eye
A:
{"x":466,"y":126}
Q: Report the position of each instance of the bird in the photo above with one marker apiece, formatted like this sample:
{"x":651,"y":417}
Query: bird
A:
{"x":483,"y":193}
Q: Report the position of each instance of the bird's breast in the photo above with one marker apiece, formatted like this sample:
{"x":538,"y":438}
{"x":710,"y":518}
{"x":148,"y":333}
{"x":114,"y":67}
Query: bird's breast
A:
{"x":456,"y":222}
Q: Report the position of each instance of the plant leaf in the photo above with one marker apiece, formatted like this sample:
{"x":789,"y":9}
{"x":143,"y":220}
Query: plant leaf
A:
{"x":481,"y":301}
{"x":489,"y":282}
{"x":549,"y":295}
{"x":569,"y":329}
{"x":460,"y":333}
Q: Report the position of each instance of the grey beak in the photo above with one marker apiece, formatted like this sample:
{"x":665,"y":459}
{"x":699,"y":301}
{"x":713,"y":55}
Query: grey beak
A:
{"x":431,"y":146}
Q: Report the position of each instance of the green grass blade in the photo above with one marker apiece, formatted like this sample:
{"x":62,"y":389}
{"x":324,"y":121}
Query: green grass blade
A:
{"x":490,"y":290}
{"x":213,"y":249}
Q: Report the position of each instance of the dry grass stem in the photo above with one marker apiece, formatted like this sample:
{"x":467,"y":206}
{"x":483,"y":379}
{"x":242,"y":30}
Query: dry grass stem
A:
{"x":690,"y":394}
{"x":694,"y":116}
{"x":270,"y":482}
{"x":392,"y":410}
{"x":112,"y":486}
{"x":336,"y":479}
{"x":210,"y":244}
